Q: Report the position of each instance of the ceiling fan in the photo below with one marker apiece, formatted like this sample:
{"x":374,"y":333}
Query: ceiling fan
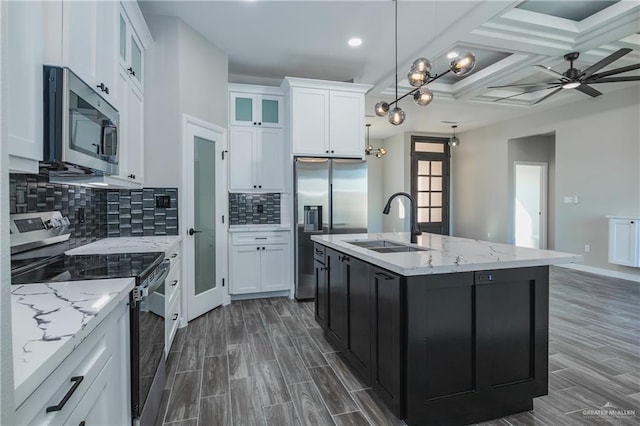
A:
{"x":573,"y":78}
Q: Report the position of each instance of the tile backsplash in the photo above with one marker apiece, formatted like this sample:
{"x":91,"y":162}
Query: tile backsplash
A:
{"x":254,"y":209}
{"x":34,"y":193}
{"x":107,"y":212}
{"x":141,"y":212}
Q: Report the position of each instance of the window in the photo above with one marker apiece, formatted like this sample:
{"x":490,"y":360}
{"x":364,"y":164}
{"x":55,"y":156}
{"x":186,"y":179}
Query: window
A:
{"x":430,"y":182}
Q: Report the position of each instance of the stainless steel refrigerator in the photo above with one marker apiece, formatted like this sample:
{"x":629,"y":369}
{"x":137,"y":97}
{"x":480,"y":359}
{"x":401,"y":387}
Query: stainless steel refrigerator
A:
{"x":331,"y":198}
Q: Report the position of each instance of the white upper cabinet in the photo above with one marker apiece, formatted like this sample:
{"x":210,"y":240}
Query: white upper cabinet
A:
{"x":327,"y":118}
{"x":130,"y":49}
{"x":89,"y":43}
{"x":346,"y":118}
{"x":257,"y":145}
{"x":252,"y":109}
{"x":23,"y":83}
{"x":310,"y":121}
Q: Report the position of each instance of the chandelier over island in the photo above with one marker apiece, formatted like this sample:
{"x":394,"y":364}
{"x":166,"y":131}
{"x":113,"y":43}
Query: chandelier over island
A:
{"x":419,"y":76}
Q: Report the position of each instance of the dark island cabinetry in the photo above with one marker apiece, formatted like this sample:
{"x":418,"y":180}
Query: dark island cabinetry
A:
{"x":449,"y":349}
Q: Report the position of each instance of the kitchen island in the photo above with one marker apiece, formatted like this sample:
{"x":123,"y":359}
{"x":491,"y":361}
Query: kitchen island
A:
{"x":446,"y":331}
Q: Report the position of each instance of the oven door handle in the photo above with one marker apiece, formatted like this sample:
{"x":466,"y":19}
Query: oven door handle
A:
{"x":142,"y":292}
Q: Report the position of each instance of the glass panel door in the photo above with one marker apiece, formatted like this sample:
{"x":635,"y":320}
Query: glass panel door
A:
{"x":204,"y":201}
{"x":206,"y":236}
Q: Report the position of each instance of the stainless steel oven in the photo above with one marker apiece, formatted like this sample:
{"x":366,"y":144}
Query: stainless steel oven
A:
{"x":148,"y":376}
{"x":80,"y":127}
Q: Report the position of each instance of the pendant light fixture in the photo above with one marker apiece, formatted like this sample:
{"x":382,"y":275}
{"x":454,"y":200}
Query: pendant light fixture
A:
{"x":419,"y":76}
{"x":454,"y":141}
{"x":379,"y":152}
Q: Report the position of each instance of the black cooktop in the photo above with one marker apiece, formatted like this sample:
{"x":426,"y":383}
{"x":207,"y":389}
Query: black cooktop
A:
{"x":85,"y":267}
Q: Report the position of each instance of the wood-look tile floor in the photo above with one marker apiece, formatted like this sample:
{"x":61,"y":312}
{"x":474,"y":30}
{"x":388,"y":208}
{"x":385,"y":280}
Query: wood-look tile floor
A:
{"x":265,"y":362}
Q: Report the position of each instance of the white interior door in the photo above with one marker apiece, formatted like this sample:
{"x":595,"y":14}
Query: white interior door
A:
{"x":531,"y":204}
{"x":205,"y":227}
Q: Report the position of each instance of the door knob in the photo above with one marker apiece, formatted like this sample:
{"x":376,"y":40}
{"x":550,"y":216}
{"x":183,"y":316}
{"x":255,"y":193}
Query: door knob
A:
{"x":193,"y":231}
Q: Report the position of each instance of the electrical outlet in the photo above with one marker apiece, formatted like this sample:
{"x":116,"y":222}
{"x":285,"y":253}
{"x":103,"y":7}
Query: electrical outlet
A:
{"x":567,"y":200}
{"x":80,"y":215}
{"x":587,"y":248}
{"x":163,"y":201}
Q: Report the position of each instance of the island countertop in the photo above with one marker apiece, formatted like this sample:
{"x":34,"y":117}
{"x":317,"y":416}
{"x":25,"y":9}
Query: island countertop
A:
{"x":49,"y":320}
{"x":164,"y":243}
{"x":445,"y":255}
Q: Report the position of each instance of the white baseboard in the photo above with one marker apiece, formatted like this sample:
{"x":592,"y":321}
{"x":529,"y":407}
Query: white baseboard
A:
{"x":283,"y":293}
{"x":602,"y":271}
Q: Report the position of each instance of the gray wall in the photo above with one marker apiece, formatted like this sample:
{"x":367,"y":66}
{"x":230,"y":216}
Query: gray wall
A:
{"x":375,"y":201}
{"x":190,"y":77}
{"x":540,"y":148}
{"x":597,"y":158}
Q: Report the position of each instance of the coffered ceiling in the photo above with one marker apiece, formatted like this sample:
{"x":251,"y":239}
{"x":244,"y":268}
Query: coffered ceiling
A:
{"x":267,"y":40}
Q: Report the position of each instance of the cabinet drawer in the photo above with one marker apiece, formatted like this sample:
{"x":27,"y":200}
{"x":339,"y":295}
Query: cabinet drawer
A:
{"x":96,"y":406}
{"x":172,"y":320}
{"x":252,"y":238}
{"x":174,"y":256}
{"x":69,"y":382}
{"x":318,"y":252}
{"x":172,"y":283}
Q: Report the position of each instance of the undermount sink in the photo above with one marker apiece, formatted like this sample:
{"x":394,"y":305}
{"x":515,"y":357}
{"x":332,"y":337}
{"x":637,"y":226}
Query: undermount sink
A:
{"x":398,"y":249}
{"x":385,"y":246}
{"x":371,"y":244}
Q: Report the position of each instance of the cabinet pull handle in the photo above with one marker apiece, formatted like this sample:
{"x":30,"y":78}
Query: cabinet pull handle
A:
{"x":174,"y":283}
{"x":131,"y":71}
{"x":260,"y":124}
{"x":131,"y":176}
{"x":631,"y":221}
{"x":175,"y":317}
{"x":318,"y":251}
{"x":76,"y":380}
{"x":174,"y":255}
{"x":383,"y":276}
{"x":327,"y":151}
{"x":254,"y":123}
{"x":259,"y":186}
{"x":103,"y":88}
{"x":82,"y":423}
{"x":261,"y":238}
{"x":332,"y":151}
{"x":254,"y":186}
{"x":257,"y":248}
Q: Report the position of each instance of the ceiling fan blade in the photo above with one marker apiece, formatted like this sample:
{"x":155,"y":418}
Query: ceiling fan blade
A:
{"x":614,"y":71}
{"x":615,"y":79}
{"x":521,"y":85}
{"x":551,"y":72}
{"x":588,"y":90}
{"x":523,"y":93}
{"x":548,"y":95}
{"x":606,"y":61}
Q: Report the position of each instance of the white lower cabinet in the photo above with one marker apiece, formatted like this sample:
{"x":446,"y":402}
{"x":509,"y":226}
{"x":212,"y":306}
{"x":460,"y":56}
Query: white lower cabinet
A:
{"x":260,"y":262}
{"x":173,"y":298}
{"x":624,"y":241}
{"x":91,"y":386}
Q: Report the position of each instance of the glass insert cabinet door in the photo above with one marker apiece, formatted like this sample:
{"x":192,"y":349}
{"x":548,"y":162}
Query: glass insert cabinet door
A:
{"x":256,"y":110}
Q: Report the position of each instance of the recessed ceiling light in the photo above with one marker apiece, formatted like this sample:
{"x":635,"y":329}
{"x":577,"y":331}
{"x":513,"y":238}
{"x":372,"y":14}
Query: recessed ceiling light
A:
{"x":355,"y":41}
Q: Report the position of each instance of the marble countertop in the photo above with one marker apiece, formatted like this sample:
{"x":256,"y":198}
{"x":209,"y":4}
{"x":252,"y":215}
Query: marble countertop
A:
{"x":50,"y":320}
{"x":129,"y":245}
{"x":446,"y":254}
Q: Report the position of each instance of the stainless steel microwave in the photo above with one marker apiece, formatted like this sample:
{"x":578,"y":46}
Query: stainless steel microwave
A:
{"x":80,"y":127}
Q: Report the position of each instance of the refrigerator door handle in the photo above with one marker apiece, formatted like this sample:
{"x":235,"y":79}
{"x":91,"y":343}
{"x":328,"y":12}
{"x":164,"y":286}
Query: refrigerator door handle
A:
{"x":330,"y":207}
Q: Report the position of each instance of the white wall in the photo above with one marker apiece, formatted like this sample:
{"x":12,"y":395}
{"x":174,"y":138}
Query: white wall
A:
{"x":6,"y":354}
{"x":597,"y":158}
{"x":395,"y":174}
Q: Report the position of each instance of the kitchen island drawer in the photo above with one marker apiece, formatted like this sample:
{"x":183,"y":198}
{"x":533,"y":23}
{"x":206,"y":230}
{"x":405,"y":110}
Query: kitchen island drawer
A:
{"x":318,"y":252}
